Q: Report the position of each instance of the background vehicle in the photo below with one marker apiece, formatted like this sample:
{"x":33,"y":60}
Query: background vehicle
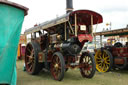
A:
{"x":112,"y":56}
{"x":58,"y":48}
{"x":90,"y":47}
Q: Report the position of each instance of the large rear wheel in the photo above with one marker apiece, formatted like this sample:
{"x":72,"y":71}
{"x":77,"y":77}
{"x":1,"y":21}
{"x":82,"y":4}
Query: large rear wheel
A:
{"x":57,"y":66}
{"x":88,"y":65}
{"x":31,"y":58}
{"x":104,"y":60}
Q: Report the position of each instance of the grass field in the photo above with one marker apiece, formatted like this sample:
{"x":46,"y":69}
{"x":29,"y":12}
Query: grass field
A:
{"x":72,"y":77}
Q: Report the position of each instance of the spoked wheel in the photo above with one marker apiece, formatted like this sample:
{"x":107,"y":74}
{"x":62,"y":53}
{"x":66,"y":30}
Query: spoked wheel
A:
{"x":88,"y":65}
{"x":31,"y":58}
{"x":57,"y":66}
{"x":104,"y":60}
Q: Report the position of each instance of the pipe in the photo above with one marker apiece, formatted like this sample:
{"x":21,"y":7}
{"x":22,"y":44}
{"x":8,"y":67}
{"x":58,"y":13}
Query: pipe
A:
{"x":65,"y":31}
{"x":69,"y":6}
{"x":75,"y":25}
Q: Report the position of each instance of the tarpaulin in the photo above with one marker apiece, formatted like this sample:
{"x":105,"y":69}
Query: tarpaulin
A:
{"x":11,"y":19}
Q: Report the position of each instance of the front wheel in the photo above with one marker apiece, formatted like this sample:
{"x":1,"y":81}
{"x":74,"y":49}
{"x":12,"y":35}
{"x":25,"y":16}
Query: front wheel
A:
{"x":57,"y":66}
{"x":88,"y":65}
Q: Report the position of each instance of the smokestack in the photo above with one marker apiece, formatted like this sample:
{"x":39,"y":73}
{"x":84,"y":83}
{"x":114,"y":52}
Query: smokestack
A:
{"x":69,"y":5}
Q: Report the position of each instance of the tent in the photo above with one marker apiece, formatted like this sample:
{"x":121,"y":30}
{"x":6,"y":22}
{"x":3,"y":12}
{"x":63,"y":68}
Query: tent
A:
{"x":11,"y":19}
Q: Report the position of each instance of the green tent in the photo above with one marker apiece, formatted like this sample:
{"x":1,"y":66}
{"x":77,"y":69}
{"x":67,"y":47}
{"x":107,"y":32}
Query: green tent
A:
{"x":11,"y":19}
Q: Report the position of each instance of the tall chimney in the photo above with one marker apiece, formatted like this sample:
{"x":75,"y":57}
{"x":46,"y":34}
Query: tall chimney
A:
{"x":69,"y":5}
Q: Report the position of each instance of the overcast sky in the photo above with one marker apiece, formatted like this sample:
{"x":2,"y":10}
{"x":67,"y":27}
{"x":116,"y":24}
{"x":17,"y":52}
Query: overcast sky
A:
{"x":114,"y":11}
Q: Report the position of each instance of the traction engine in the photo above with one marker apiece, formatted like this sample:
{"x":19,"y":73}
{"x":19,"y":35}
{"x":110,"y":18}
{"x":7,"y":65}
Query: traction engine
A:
{"x":59,"y":43}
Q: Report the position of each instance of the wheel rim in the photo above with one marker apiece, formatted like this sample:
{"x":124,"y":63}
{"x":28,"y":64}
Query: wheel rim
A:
{"x":29,"y":58}
{"x":87,"y":63}
{"x":56,"y":67}
{"x":102,"y":61}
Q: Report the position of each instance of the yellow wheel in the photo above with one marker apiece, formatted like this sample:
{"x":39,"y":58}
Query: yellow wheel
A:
{"x":104,"y":60}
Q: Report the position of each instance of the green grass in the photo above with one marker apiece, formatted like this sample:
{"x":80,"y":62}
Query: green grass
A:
{"x":72,"y":77}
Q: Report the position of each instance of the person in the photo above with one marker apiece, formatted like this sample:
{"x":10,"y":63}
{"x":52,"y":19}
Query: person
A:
{"x":24,"y":68}
{"x":127,"y":44}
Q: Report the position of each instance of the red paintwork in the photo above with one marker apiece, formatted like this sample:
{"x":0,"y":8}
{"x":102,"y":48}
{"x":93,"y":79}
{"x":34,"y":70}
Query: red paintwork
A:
{"x":120,"y":51}
{"x":85,"y":37}
{"x":119,"y":61}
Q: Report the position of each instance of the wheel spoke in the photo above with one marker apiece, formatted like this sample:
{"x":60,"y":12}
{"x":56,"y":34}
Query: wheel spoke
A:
{"x":85,"y":59}
{"x":90,"y":62}
{"x":29,"y":56}
{"x":99,"y":64}
{"x":59,"y":66}
{"x":106,"y":66}
{"x":88,"y":59}
{"x":57,"y":60}
{"x":103,"y":55}
{"x":30,"y":68}
{"x":103,"y":66}
{"x":99,"y":61}
{"x":28,"y":50}
{"x":29,"y":63}
{"x":99,"y":57}
{"x":58,"y":73}
{"x":54,"y":60}
{"x":32,"y":53}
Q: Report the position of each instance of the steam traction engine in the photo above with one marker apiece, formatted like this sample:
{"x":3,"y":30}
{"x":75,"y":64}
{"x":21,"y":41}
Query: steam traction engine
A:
{"x":59,"y":42}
